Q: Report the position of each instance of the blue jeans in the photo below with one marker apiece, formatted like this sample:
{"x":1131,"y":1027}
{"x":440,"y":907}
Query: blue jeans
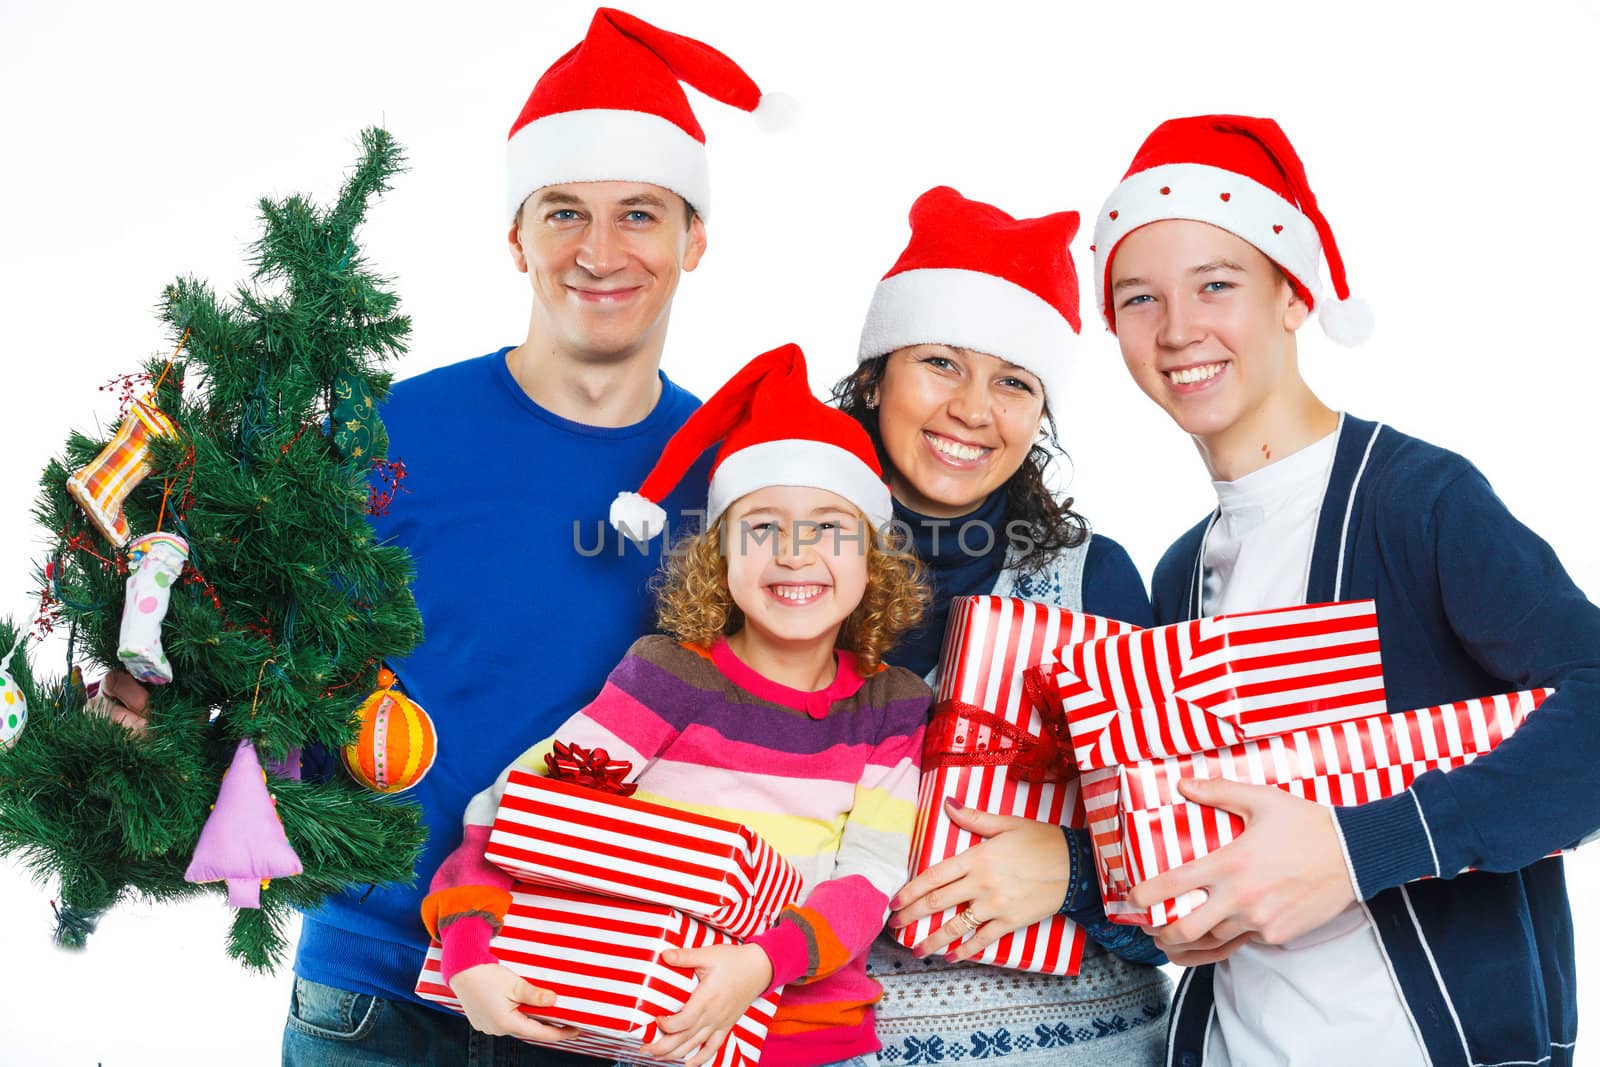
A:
{"x":329,"y":1027}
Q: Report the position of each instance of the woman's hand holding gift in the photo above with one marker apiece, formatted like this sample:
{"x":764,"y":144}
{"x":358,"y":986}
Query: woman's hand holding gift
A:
{"x":1017,"y":876}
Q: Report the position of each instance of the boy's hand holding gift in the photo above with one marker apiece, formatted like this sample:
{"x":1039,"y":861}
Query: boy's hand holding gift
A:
{"x":1282,"y":878}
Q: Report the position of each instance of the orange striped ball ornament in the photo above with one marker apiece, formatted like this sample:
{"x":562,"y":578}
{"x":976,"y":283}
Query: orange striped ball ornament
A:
{"x":396,"y":744}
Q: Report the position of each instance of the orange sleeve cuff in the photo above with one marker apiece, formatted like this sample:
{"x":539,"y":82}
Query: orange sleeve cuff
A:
{"x":439,"y":909}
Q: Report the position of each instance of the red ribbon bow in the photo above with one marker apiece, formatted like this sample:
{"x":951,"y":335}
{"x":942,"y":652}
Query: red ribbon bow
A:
{"x":590,"y":768}
{"x":952,"y":739}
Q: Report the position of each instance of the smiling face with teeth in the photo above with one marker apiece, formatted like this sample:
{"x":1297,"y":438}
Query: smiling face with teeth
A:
{"x":956,"y":425}
{"x":1207,"y":328}
{"x":797,"y":568}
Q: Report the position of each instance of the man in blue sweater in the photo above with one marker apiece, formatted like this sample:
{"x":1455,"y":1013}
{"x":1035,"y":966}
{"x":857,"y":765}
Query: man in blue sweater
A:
{"x":1318,"y":942}
{"x":527,"y":596}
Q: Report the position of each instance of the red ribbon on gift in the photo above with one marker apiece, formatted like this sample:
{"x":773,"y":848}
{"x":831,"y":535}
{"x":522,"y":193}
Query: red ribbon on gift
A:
{"x":590,"y":768}
{"x":952,"y":738}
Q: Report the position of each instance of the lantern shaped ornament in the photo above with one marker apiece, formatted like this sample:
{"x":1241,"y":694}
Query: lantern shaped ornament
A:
{"x":395,"y":745}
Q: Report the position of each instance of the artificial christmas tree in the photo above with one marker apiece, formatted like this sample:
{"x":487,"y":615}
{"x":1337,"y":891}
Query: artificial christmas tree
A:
{"x":257,"y":449}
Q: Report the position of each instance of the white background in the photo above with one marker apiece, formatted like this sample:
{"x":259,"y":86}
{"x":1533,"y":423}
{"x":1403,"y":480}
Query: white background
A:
{"x":1449,"y":150}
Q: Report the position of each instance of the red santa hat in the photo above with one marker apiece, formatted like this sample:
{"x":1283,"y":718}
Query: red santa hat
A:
{"x":773,"y":432}
{"x":612,"y":110}
{"x":1242,"y":175}
{"x":974,"y":277}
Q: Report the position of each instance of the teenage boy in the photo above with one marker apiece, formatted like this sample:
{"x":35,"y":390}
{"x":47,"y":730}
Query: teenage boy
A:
{"x":1318,"y":943}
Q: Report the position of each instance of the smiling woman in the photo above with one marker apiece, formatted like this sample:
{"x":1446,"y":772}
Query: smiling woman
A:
{"x":964,"y":348}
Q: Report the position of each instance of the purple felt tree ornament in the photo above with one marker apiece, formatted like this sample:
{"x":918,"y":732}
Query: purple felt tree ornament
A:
{"x":242,"y":842}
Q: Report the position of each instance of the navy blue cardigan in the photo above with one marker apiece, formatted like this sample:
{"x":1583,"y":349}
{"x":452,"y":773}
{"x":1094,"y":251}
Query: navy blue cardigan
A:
{"x":1470,"y":603}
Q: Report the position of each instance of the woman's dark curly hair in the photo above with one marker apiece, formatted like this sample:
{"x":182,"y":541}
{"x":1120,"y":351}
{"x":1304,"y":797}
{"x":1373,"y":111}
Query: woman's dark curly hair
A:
{"x":1052,"y":524}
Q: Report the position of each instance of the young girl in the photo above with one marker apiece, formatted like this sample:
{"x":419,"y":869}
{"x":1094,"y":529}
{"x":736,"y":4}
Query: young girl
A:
{"x":771,"y":697}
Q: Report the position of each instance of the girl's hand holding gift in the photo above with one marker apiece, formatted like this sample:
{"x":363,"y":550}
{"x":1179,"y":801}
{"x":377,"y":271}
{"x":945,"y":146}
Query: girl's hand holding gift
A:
{"x":731,"y":978}
{"x":491,"y":996}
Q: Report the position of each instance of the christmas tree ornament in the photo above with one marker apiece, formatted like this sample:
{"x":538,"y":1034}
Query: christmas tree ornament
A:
{"x":13,"y":702}
{"x":242,"y":842}
{"x":395,"y":745}
{"x":104,"y":483}
{"x":74,"y":693}
{"x":154,"y":563}
{"x":352,"y":416}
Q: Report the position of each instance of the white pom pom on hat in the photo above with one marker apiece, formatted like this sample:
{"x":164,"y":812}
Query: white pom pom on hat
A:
{"x":1346,"y":322}
{"x":637,"y":518}
{"x":777,"y":112}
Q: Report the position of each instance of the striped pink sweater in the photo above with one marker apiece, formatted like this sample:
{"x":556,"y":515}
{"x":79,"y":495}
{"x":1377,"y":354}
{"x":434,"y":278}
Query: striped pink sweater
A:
{"x":829,"y":778}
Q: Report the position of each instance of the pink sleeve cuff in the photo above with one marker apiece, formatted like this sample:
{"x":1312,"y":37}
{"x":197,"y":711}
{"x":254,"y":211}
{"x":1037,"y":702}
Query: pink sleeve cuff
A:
{"x":786,"y":949}
{"x":465,"y":944}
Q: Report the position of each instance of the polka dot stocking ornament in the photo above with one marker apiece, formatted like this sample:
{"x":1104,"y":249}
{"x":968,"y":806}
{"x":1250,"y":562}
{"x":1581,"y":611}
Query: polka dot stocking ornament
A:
{"x":154,"y":562}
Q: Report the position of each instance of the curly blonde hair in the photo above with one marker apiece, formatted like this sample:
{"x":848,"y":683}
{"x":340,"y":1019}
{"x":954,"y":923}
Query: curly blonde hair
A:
{"x":694,"y":605}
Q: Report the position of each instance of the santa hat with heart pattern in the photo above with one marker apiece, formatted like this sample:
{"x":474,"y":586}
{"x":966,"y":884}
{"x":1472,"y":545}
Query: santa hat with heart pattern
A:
{"x":1241,"y":175}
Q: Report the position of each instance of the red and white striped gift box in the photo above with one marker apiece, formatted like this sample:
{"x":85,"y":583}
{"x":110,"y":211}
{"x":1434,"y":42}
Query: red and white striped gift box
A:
{"x":989,"y":646}
{"x":1216,"y":681}
{"x":602,"y":959}
{"x":556,"y":833}
{"x":1142,"y":826}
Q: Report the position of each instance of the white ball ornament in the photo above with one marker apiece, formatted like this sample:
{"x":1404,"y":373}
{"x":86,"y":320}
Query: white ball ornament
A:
{"x":13,"y":703}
